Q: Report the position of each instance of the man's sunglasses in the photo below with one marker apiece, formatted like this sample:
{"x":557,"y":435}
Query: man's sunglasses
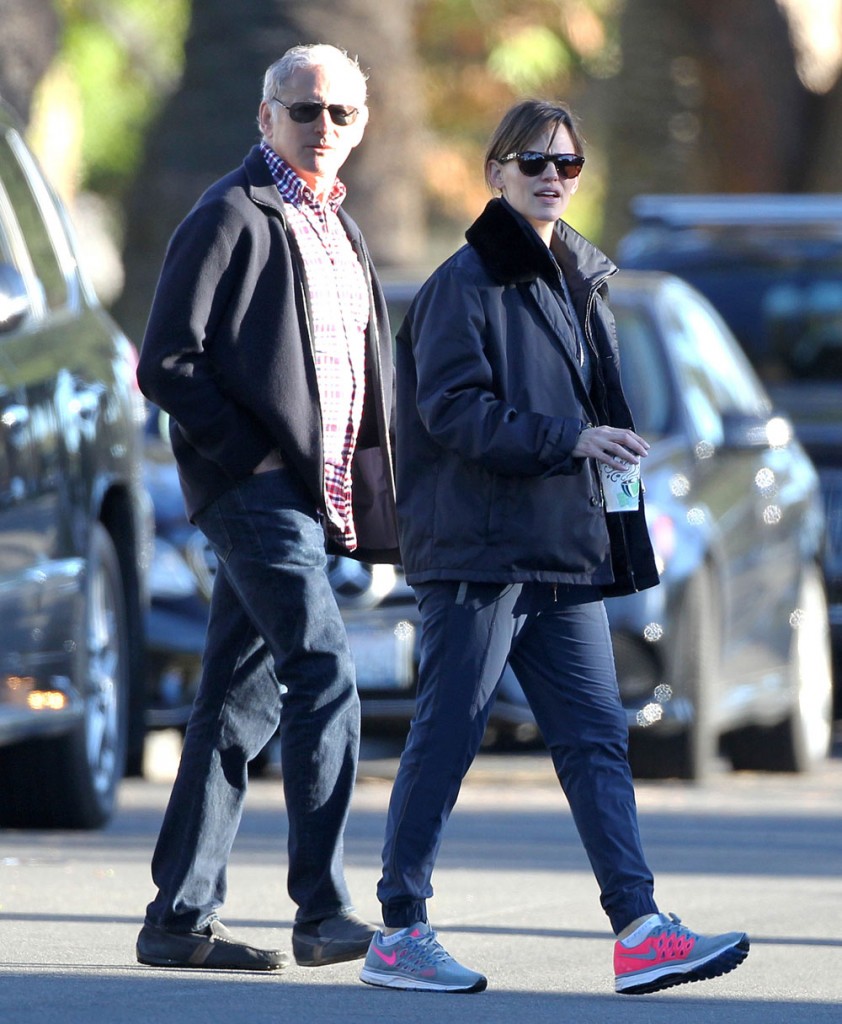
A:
{"x":308,"y":110}
{"x":567,"y":165}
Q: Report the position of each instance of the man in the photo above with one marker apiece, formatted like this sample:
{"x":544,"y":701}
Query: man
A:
{"x":268,"y":344}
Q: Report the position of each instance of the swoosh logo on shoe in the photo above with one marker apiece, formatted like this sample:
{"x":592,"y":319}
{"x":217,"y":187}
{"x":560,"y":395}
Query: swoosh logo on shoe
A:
{"x":387,"y":958}
{"x":651,"y":955}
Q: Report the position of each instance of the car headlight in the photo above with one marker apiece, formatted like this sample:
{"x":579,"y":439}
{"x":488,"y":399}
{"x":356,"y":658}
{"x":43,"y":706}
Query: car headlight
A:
{"x":169,"y":575}
{"x":358,"y":584}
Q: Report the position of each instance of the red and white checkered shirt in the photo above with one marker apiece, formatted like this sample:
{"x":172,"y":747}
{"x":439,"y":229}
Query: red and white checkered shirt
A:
{"x":339,"y":304}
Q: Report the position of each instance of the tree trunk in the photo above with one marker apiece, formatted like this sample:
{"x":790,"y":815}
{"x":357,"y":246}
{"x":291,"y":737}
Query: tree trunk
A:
{"x":210,"y":122}
{"x":29,"y":33}
{"x":709,"y":100}
{"x":822,"y":163}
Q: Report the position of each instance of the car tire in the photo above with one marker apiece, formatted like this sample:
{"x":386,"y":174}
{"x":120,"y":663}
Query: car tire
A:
{"x":686,"y":751}
{"x":70,"y":781}
{"x":803,"y":739}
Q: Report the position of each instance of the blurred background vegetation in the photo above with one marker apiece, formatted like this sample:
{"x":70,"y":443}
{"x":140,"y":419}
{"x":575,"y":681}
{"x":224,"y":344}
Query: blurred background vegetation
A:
{"x":135,"y":107}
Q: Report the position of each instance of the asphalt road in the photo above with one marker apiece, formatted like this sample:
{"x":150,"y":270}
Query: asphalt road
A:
{"x":514,"y":898}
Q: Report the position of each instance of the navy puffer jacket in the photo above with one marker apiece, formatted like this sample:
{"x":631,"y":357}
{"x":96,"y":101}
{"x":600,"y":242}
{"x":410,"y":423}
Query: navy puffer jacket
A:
{"x":490,"y":403}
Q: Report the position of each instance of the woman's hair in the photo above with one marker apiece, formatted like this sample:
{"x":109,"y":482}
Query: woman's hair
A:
{"x":524,"y":122}
{"x":309,"y":56}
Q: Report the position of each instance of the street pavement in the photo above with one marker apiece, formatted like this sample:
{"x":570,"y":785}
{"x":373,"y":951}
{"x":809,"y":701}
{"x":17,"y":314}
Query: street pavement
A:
{"x":514,"y":898}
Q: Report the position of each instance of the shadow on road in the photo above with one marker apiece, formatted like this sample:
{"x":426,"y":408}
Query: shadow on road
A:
{"x":199,"y":997}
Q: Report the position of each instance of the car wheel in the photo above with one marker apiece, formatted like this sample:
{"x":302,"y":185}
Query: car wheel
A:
{"x":70,"y":781}
{"x":685,"y":750}
{"x":802,"y":740}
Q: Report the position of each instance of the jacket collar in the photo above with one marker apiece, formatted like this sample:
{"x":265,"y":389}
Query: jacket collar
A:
{"x":263,"y":191}
{"x":513,"y":253}
{"x":262,"y":187}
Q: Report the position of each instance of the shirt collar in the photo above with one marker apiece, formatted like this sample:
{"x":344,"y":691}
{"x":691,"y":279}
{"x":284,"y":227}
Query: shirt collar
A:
{"x":293,"y":188}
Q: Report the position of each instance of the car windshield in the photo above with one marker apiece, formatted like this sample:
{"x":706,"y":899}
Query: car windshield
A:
{"x":643,"y":369}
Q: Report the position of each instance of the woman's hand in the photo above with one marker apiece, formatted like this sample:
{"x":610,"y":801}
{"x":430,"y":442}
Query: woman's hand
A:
{"x":612,"y":445}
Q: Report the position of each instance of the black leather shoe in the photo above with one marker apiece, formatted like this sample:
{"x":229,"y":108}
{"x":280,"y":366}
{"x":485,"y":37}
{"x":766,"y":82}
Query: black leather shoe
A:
{"x":332,"y":941}
{"x":215,"y":947}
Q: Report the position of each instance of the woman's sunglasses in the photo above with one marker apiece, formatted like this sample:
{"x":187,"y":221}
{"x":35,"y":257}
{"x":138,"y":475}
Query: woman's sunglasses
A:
{"x":309,"y":110}
{"x":567,"y":165}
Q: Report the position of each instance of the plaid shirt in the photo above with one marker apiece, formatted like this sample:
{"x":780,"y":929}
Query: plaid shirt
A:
{"x":339,"y":303}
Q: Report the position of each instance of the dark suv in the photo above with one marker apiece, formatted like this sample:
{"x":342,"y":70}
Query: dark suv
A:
{"x":772,"y":265}
{"x":75,"y":524}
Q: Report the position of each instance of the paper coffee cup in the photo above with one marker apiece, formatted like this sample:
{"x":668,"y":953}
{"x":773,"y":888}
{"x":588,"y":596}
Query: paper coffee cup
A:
{"x":620,"y":487}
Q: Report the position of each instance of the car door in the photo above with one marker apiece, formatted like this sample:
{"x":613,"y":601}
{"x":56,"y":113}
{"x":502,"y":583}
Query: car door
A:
{"x":18,"y":551}
{"x":40,"y":576}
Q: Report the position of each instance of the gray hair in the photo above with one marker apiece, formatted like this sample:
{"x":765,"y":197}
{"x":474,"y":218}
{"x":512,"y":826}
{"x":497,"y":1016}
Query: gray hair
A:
{"x":309,"y":56}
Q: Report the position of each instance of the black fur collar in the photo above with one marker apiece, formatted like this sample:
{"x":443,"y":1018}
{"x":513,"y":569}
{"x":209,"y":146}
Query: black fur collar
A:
{"x":511,"y":251}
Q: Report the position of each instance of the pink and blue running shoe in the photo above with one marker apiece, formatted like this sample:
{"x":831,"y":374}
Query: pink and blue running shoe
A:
{"x":670,"y":954}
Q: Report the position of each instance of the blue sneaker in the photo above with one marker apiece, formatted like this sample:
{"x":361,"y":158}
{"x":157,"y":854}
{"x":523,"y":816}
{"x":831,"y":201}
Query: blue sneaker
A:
{"x":669,"y":954}
{"x":416,"y":960}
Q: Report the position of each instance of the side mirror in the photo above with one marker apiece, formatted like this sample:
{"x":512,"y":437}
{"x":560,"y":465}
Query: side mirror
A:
{"x":15,"y":305}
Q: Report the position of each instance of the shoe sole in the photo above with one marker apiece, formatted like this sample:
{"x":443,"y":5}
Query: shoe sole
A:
{"x":153,"y":961}
{"x":715,"y":966}
{"x":380,"y":980}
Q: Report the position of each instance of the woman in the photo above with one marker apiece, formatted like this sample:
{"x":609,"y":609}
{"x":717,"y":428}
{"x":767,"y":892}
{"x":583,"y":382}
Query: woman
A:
{"x":509,"y":397}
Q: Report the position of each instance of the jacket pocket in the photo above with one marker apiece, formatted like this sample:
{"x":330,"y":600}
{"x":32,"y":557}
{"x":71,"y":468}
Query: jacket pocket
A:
{"x":470,"y":506}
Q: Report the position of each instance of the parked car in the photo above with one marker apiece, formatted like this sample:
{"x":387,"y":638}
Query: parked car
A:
{"x":772,"y":266}
{"x":75,"y":524}
{"x":731,"y":650}
{"x":180,"y":584}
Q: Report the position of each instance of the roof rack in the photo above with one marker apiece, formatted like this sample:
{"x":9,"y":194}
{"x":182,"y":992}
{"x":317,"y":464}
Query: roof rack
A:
{"x":749,"y":208}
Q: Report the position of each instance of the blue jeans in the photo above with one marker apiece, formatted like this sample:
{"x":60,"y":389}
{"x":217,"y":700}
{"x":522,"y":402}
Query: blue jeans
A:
{"x":558,"y":643}
{"x":276,"y":654}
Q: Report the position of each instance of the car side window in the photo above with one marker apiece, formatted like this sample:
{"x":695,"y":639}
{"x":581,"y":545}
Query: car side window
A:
{"x":45,"y":261}
{"x":803,"y":321}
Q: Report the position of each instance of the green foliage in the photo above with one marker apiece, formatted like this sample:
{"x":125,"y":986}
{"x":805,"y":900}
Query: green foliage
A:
{"x":123,"y":57}
{"x":529,"y":58}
